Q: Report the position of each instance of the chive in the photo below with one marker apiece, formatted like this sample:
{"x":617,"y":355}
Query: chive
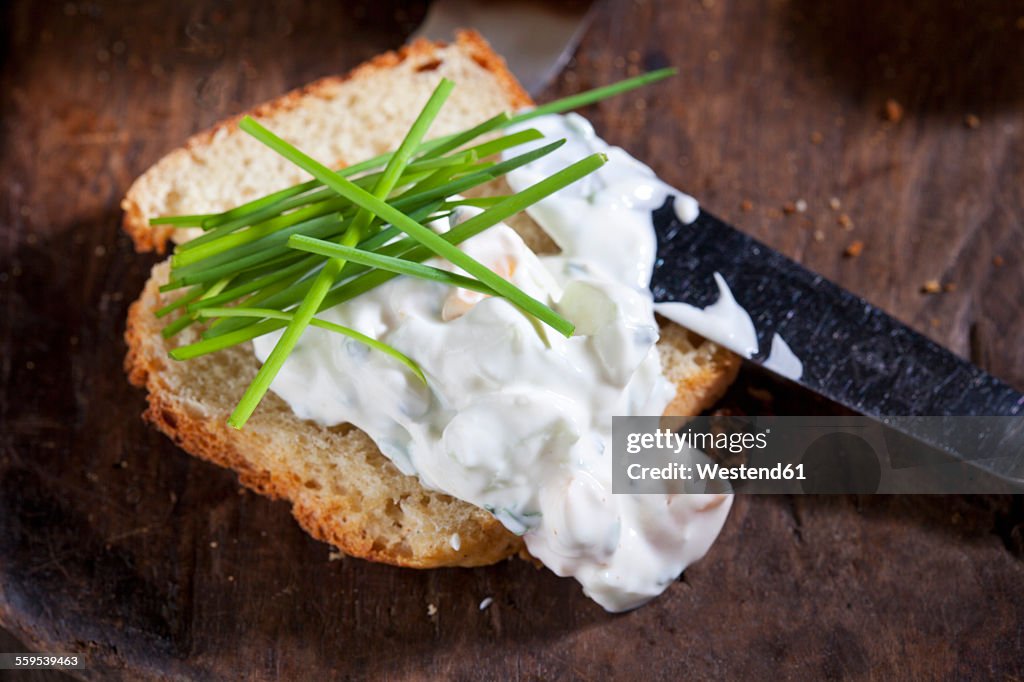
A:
{"x":257,"y":232}
{"x":402,"y":156}
{"x":253,"y":257}
{"x":188,"y":318}
{"x":459,"y":139}
{"x":311,"y":303}
{"x":506,"y":142}
{"x":436,"y":184}
{"x":294,"y":295}
{"x":245,"y":282}
{"x":374,"y":278}
{"x":260,"y":236}
{"x":472,"y":180}
{"x":257,"y":204}
{"x":213,"y":234}
{"x":180,"y":220}
{"x":181,"y":301}
{"x":299,"y":267}
{"x":388,"y":263}
{"x":295,"y":292}
{"x":296,"y":325}
{"x":591,"y":96}
{"x":478,"y":223}
{"x":176,"y":326}
{"x":323,"y":324}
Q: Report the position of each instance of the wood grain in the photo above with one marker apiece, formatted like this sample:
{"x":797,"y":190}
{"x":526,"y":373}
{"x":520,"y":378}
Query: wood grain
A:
{"x":116,"y":544}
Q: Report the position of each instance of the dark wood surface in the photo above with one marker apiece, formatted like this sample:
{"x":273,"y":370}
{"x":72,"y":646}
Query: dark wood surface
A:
{"x":116,"y":544}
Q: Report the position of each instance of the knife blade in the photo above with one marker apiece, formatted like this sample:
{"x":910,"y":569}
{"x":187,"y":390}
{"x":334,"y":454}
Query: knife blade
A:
{"x":536,"y":38}
{"x":852,"y":352}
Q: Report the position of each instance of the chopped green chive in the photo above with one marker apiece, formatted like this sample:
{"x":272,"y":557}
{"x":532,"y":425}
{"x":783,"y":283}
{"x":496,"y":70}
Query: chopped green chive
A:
{"x":388,"y":263}
{"x":180,"y":220}
{"x":323,"y":324}
{"x":596,"y":95}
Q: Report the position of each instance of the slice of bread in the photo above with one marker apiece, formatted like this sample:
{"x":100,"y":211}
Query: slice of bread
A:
{"x":342,"y":489}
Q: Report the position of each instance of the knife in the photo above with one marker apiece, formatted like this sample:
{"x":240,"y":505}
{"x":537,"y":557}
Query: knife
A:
{"x":853,"y":353}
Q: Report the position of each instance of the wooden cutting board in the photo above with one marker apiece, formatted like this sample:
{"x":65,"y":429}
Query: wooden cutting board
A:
{"x":116,"y":544}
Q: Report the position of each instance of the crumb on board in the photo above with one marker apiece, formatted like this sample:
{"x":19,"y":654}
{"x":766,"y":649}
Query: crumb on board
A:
{"x":854,"y":249}
{"x":949,"y":287}
{"x":932,"y":286}
{"x":789,"y":208}
{"x":936,"y":322}
{"x":335,"y":555}
{"x":835,"y":204}
{"x":213,"y":544}
{"x":817,"y":137}
{"x":998,"y":261}
{"x":892,"y":111}
{"x":845,"y":221}
{"x":801,"y":206}
{"x":746,"y":205}
{"x":819,"y":236}
{"x":486,"y":603}
{"x":972,"y":121}
{"x":431,"y":610}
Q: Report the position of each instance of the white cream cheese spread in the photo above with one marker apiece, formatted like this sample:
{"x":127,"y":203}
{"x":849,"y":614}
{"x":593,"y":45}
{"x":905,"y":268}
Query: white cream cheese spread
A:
{"x":782,"y":360}
{"x":514,"y":417}
{"x":724,"y":321}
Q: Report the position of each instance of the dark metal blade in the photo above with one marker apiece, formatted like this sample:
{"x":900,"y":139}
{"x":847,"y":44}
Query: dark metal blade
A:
{"x":852,"y":352}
